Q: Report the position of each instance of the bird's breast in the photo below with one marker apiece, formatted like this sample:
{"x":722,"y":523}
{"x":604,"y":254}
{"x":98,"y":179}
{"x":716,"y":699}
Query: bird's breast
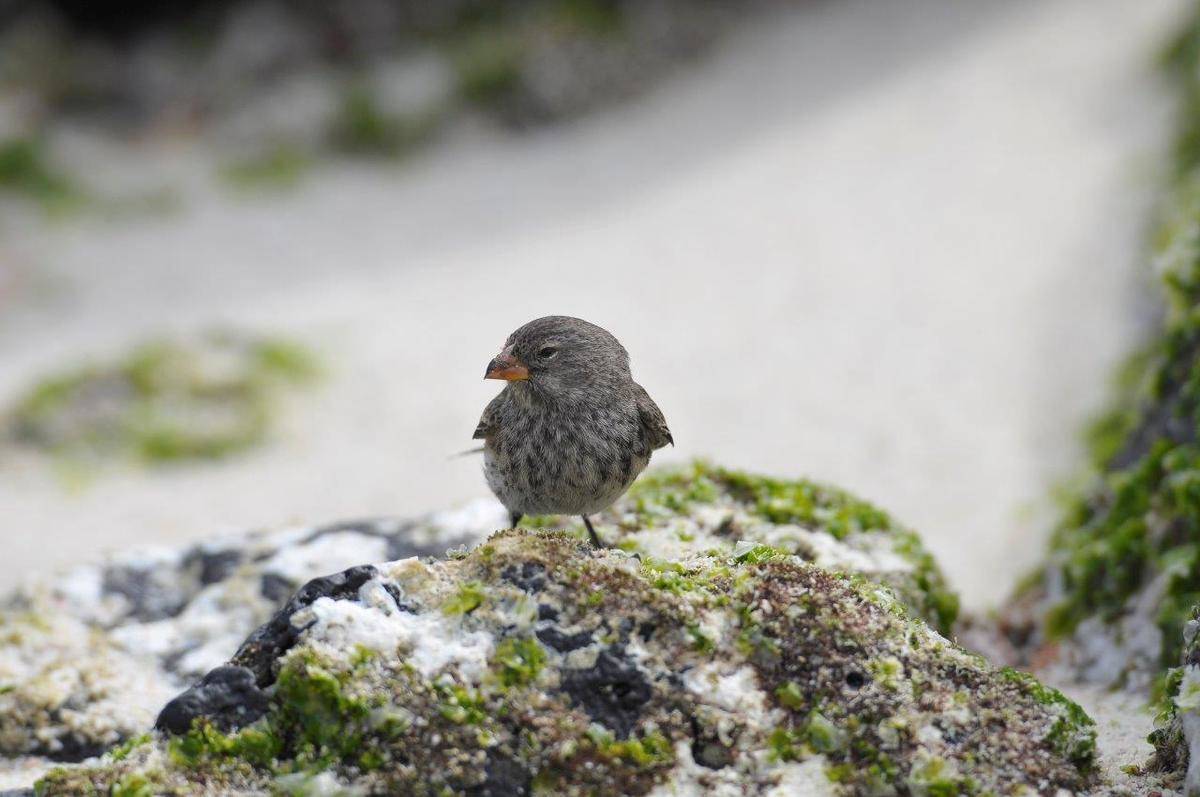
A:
{"x":564,"y":462}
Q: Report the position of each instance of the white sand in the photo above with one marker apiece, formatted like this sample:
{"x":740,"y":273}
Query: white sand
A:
{"x":891,"y":245}
{"x":1122,"y":723}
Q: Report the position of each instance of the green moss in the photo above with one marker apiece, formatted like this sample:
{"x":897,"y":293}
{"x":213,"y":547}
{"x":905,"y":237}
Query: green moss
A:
{"x":518,"y":661}
{"x":806,"y":503}
{"x":662,"y":495}
{"x":1073,"y":734}
{"x":203,"y":744}
{"x":487,"y":63}
{"x":25,"y":171}
{"x":122,"y":751}
{"x":542,"y":522}
{"x":461,"y":705}
{"x":700,"y":641}
{"x":135,"y":785}
{"x":667,"y":492}
{"x":823,"y":736}
{"x":277,"y":166}
{"x":1137,"y":520}
{"x":589,"y":17}
{"x":325,"y":723}
{"x":165,"y":401}
{"x":887,"y":672}
{"x":751,"y":553}
{"x":784,"y":744}
{"x":933,"y":778}
{"x":789,"y":694}
{"x":1163,"y":692}
{"x":651,"y":750}
{"x":669,"y":576}
{"x":363,"y":128}
{"x":468,"y":598}
{"x":840,"y":773}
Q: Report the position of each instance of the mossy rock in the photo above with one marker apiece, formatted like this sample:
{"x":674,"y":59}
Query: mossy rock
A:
{"x":1177,"y":738}
{"x":1124,"y":567}
{"x":89,"y":657}
{"x":537,"y":665}
{"x":1114,"y":602}
{"x":676,"y":512}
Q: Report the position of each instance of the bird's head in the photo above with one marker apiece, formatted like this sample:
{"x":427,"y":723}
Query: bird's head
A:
{"x":560,"y":354}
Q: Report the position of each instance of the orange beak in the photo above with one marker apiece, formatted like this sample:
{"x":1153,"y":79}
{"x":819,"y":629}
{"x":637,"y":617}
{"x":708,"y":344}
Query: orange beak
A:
{"x":506,"y":366}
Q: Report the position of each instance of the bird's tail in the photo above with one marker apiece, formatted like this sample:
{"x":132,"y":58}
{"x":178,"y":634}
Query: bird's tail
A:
{"x":466,"y":453}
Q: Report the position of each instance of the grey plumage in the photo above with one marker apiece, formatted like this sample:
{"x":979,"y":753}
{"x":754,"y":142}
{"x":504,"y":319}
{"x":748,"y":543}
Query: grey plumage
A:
{"x":571,"y":430}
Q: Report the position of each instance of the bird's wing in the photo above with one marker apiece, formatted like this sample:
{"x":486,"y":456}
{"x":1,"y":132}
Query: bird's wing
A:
{"x":490,"y":419}
{"x":653,"y":421}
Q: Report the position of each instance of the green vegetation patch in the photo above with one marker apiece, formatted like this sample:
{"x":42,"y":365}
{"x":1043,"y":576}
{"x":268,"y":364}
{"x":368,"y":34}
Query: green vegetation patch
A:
{"x":1127,"y":548}
{"x":519,"y":660}
{"x":663,"y":495}
{"x":276,"y":166}
{"x":362,"y":127}
{"x":166,"y":401}
{"x":860,"y":683}
{"x":1136,"y":520}
{"x":25,"y":171}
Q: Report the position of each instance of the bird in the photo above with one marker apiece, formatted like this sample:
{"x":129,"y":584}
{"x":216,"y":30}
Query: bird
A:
{"x":571,"y":430}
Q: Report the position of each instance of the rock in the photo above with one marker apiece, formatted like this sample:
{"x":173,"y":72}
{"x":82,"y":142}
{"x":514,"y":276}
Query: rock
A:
{"x":87,"y":659}
{"x":1177,"y":739}
{"x":1114,"y":603}
{"x":746,"y":635}
{"x":673,"y":513}
{"x":68,"y":691}
{"x":719,"y":673}
{"x":228,"y":697}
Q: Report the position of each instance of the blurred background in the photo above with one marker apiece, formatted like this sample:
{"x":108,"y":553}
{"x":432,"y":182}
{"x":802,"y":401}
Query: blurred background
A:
{"x":255,"y":254}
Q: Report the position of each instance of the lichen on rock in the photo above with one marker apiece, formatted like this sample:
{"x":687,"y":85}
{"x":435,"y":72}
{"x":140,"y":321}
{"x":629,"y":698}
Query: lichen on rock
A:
{"x":534,"y":664}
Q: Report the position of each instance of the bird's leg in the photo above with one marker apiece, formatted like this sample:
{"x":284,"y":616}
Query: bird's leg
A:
{"x":516,"y":518}
{"x":592,"y":532}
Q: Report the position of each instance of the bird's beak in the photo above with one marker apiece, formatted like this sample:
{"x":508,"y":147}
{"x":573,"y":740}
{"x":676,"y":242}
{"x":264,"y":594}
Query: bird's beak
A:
{"x":506,"y":366}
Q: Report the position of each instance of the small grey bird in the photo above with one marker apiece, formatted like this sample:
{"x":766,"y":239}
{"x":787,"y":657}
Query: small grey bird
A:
{"x":571,"y":430}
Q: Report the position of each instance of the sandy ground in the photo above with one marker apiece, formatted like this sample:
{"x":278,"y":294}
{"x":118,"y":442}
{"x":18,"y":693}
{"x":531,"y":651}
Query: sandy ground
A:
{"x":1122,"y":723}
{"x":890,"y":245}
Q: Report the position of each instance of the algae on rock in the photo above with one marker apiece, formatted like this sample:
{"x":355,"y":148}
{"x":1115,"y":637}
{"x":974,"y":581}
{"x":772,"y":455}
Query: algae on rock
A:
{"x":165,"y":401}
{"x":1124,"y":568}
{"x":573,"y":671}
{"x":1177,"y":739}
{"x":675,"y":512}
{"x":1114,"y":603}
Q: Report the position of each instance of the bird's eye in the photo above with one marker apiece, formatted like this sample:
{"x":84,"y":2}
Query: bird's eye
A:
{"x":546,"y":352}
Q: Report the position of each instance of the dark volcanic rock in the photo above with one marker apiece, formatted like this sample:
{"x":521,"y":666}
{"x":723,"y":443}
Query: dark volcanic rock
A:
{"x":228,"y":697}
{"x":613,"y":691}
{"x":260,"y":652}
